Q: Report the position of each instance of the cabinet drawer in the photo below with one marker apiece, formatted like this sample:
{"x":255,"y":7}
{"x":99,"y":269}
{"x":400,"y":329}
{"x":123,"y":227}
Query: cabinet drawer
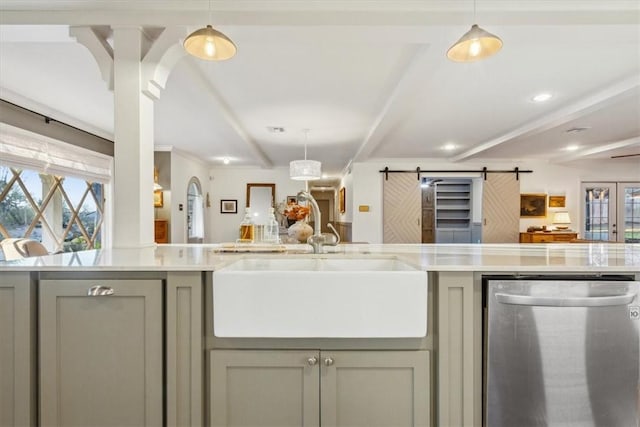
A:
{"x":564,"y":237}
{"x":547,"y":237}
{"x":541,"y":238}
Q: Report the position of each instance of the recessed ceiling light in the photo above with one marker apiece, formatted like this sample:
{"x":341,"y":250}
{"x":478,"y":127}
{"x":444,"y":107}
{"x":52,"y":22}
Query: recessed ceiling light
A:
{"x":449,"y":146}
{"x":275,"y":129}
{"x":572,"y":147}
{"x":225,"y":160}
{"x":542,"y":97}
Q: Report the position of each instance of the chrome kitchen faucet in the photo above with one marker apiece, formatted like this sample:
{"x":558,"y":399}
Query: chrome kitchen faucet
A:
{"x":317,"y":240}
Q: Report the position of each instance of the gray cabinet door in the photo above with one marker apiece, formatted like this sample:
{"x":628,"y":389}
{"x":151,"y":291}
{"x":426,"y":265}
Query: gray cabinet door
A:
{"x":462,"y":236}
{"x":101,"y":356}
{"x":17,"y":350}
{"x":264,"y":388}
{"x":375,"y":388}
{"x":444,"y":236}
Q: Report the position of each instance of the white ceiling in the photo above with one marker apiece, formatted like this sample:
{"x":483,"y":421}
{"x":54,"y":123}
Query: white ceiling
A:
{"x":368,"y":78}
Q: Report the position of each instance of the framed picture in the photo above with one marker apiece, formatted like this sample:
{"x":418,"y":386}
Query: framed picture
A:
{"x":557,"y":201}
{"x":292,"y":200}
{"x":158,"y":199}
{"x":533,"y":205}
{"x":341,"y":199}
{"x":228,"y":206}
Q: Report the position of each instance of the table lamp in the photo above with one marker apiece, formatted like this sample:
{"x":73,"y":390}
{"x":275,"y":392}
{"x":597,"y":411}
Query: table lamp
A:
{"x":561,"y":220}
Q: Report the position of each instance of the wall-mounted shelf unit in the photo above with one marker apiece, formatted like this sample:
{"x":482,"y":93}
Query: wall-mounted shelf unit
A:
{"x":453,"y":211}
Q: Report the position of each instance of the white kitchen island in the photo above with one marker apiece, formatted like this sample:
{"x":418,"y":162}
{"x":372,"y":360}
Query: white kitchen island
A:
{"x":64,"y":350}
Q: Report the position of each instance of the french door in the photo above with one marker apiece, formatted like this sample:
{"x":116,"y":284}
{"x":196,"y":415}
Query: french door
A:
{"x":611,"y":211}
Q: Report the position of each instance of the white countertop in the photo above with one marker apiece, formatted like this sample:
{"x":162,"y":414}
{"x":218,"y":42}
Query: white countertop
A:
{"x":550,"y":257}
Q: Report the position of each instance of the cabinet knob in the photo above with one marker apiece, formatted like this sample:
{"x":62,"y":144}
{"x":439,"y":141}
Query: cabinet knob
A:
{"x":328,"y":361}
{"x":312,"y":361}
{"x":99,"y":291}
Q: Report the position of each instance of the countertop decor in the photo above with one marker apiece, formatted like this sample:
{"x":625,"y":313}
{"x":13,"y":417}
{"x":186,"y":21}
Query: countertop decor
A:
{"x":300,"y":231}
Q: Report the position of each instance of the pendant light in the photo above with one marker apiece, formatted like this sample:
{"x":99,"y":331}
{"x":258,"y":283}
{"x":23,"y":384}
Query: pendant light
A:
{"x":209,"y":44}
{"x":475,"y":44}
{"x":305,"y":170}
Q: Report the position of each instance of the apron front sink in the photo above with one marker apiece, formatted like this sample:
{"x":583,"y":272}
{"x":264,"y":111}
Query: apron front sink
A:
{"x":320,"y":298}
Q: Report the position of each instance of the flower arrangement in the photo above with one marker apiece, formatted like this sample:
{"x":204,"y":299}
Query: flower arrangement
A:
{"x":296,"y":212}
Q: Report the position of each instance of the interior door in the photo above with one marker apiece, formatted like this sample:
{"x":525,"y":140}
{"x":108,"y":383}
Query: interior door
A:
{"x":402,"y":208}
{"x":611,"y":211}
{"x":500,"y":208}
{"x":325,"y":211}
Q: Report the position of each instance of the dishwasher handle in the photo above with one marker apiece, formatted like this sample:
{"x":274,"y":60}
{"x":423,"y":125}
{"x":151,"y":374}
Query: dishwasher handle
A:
{"x":565,"y":302}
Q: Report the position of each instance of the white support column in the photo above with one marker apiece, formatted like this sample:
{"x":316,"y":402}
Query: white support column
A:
{"x":133,"y":148}
{"x":136,"y":69}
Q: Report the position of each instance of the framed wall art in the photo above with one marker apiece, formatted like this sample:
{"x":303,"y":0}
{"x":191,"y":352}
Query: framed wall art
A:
{"x":557,"y":201}
{"x":158,"y":199}
{"x":533,"y":205}
{"x":341,"y":200}
{"x":228,"y":206}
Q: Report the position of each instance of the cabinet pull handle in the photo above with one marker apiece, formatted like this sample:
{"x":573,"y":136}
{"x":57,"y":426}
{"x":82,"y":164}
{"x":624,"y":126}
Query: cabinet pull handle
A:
{"x":328,"y":361}
{"x":99,"y":291}
{"x":312,"y":361}
{"x":606,"y":301}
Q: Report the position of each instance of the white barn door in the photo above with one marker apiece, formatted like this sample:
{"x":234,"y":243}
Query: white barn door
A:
{"x":402,"y":208}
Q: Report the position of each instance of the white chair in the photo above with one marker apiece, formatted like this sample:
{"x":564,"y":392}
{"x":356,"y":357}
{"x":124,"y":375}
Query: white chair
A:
{"x":9,"y":249}
{"x":30,"y":247}
{"x":17,"y":248}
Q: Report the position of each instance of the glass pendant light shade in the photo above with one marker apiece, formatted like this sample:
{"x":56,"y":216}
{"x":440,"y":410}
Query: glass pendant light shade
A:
{"x":474,"y":45}
{"x":210,"y":44}
{"x":305,"y":170}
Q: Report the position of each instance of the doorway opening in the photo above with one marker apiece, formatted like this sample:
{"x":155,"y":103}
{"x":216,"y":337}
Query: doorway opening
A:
{"x":195,"y":212}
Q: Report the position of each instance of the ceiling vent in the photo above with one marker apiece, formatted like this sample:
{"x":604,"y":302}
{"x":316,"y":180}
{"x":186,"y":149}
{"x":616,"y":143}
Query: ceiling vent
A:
{"x":275,"y":129}
{"x":577,"y":129}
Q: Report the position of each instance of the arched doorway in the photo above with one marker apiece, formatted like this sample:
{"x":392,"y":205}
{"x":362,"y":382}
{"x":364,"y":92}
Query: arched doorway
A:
{"x":195,"y":212}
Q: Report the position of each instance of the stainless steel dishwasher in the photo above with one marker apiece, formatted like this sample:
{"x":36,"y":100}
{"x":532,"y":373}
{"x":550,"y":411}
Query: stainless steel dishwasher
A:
{"x":562,"y":352}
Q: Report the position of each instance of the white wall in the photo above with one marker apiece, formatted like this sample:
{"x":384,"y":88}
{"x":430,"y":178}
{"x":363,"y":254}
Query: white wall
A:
{"x":183,"y":168}
{"x":231,"y":183}
{"x":554,"y":179}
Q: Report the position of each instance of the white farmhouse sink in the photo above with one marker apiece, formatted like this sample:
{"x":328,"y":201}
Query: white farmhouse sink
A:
{"x":320,"y":298}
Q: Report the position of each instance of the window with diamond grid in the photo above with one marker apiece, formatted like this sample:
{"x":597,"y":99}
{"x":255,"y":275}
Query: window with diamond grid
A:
{"x":64,"y":213}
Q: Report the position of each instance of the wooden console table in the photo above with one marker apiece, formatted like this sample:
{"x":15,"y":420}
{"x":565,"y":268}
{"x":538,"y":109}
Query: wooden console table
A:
{"x":161,"y":231}
{"x":547,"y":237}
